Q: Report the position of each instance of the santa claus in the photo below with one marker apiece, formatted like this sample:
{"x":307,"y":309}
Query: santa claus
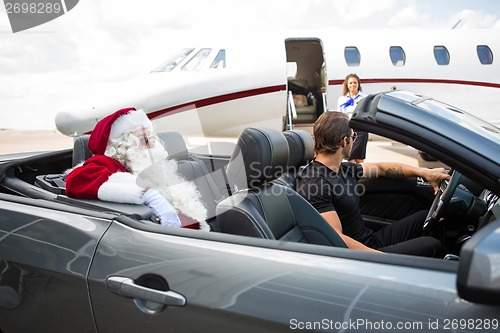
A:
{"x":130,"y":165}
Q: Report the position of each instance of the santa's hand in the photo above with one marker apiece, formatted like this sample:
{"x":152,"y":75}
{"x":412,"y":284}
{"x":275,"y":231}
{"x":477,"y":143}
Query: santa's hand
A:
{"x":162,"y":208}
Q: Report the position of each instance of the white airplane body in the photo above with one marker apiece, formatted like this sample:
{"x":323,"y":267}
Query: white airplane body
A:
{"x":216,"y":92}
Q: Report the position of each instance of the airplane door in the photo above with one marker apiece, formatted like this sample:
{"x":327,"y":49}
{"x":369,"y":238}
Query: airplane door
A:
{"x":307,"y":80}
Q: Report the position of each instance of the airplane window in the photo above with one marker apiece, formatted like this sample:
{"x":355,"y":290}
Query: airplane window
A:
{"x":352,"y":56}
{"x":485,"y":55}
{"x":441,"y":55}
{"x":196,"y":63}
{"x":173,"y":62}
{"x":398,"y":56}
{"x":220,"y":60}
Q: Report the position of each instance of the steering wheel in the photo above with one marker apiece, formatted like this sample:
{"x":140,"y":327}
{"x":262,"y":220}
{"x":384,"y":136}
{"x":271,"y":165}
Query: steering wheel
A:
{"x":442,"y":199}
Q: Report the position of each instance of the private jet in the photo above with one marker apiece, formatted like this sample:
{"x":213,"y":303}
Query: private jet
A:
{"x":284,"y":81}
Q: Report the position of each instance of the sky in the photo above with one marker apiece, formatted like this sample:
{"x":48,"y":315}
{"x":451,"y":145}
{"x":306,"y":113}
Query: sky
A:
{"x":101,"y":42}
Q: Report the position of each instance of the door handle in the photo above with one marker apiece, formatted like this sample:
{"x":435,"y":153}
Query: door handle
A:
{"x":127,"y":287}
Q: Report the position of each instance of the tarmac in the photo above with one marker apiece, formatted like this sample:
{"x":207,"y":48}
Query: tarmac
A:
{"x":379,"y":149}
{"x":20,"y":141}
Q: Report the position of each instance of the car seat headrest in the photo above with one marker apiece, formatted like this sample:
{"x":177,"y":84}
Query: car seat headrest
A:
{"x":174,"y":144}
{"x":260,"y":156}
{"x":300,"y":146}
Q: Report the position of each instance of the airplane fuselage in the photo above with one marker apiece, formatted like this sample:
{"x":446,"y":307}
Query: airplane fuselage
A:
{"x":281,"y":81}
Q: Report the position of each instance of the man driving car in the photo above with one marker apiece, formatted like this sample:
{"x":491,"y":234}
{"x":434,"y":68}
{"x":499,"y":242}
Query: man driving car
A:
{"x":332,"y":187}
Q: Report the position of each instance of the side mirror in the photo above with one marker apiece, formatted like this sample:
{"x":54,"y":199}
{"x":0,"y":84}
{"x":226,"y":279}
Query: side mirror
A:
{"x":479,"y":268}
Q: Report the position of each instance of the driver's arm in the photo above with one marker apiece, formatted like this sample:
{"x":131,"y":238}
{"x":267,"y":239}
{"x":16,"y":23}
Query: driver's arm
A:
{"x":333,"y":220}
{"x":401,"y":170}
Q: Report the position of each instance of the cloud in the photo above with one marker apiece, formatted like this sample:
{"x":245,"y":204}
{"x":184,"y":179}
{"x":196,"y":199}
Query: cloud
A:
{"x":37,"y":53}
{"x":409,"y":17}
{"x":103,"y":42}
{"x":476,"y":19}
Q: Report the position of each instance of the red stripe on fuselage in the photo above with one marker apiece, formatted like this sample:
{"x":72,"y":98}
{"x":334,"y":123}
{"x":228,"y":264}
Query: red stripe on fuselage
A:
{"x":266,"y":90}
{"x":216,"y":100}
{"x":434,"y":81}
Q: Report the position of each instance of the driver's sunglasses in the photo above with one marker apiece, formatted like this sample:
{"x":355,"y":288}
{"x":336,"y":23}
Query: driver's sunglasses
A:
{"x":354,"y":136}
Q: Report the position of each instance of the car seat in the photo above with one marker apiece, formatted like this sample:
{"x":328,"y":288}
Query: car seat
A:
{"x":193,"y":169}
{"x":301,"y":152}
{"x":261,"y":208}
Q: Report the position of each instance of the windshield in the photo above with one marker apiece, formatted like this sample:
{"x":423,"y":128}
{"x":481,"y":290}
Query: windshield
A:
{"x":196,"y":63}
{"x":191,"y":59}
{"x":173,"y":61}
{"x":452,"y":113}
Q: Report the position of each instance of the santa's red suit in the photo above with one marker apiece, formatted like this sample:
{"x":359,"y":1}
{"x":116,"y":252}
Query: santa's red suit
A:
{"x":105,"y":178}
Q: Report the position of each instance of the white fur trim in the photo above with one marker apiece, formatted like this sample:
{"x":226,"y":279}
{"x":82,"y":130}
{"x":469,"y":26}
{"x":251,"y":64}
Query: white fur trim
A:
{"x":204,"y":226}
{"x":121,"y":187}
{"x":130,"y":122}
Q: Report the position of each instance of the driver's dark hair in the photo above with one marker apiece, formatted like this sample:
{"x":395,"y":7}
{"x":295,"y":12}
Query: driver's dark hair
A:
{"x":329,"y":130}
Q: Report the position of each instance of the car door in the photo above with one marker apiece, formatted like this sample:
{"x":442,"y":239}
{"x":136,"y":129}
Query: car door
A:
{"x":146,"y":280}
{"x":45,"y":254}
{"x":384,"y":200}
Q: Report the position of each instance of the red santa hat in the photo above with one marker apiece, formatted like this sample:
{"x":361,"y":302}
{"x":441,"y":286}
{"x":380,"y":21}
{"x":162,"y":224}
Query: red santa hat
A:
{"x":116,"y":124}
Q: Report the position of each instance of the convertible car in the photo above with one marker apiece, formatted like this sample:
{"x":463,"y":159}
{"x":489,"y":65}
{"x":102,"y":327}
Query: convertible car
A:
{"x":270,"y":263}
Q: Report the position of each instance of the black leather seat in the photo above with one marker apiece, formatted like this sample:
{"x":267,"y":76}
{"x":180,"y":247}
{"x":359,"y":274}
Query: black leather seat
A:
{"x":301,"y":152}
{"x":261,"y":208}
{"x":193,"y":169}
{"x":81,"y":151}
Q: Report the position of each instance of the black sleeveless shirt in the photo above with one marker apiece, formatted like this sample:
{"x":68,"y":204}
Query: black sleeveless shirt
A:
{"x":327,"y":190}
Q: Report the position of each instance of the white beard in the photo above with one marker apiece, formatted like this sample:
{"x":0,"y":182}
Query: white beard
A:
{"x":181,"y":193}
{"x":137,"y":160}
